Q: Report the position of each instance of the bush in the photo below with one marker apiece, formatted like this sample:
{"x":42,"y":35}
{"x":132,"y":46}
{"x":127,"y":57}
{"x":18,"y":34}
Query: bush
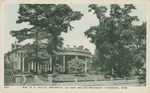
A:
{"x":35,"y":73}
{"x":7,"y":72}
{"x":44,"y":74}
{"x":92,"y":71}
{"x":76,"y":66}
{"x":32,"y":71}
{"x":81,"y":75}
{"x":49,"y":72}
{"x":8,"y":78}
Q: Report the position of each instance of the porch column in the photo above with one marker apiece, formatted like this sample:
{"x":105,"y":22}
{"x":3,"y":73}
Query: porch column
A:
{"x":85,"y":68}
{"x":19,"y":62}
{"x":76,"y":56}
{"x":23,"y":64}
{"x":45,"y":67}
{"x":41,"y":68}
{"x":47,"y":63}
{"x":38,"y":67}
{"x":64,"y":63}
{"x":50,"y":64}
{"x":29,"y":66}
{"x":32,"y":65}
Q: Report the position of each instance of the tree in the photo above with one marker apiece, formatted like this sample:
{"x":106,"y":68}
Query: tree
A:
{"x":76,"y":66}
{"x":139,"y":48}
{"x":48,"y":22}
{"x":112,"y":38}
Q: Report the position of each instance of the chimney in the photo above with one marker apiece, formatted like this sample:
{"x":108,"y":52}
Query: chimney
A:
{"x":14,"y":46}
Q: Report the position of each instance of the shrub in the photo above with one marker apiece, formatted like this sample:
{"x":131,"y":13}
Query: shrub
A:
{"x":49,"y":72}
{"x":76,"y":66}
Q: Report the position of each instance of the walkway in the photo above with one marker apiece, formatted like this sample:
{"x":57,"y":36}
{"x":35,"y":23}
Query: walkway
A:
{"x":39,"y":82}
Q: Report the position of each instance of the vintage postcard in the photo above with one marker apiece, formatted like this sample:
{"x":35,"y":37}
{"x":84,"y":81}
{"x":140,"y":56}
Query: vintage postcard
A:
{"x":75,"y":46}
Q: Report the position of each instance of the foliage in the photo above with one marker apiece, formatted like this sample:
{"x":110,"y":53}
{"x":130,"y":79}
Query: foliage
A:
{"x":113,"y":38}
{"x":48,"y":21}
{"x":139,"y":50}
{"x":9,"y":63}
{"x":6,"y":65}
{"x":76,"y":66}
{"x":142,"y":77}
{"x":58,"y":69}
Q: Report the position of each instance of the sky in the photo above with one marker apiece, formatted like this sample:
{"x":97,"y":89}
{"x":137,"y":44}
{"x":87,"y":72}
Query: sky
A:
{"x":74,"y":37}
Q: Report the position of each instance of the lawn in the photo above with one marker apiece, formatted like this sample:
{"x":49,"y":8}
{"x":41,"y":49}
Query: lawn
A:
{"x":81,"y":78}
{"x":30,"y":78}
{"x":71,"y":78}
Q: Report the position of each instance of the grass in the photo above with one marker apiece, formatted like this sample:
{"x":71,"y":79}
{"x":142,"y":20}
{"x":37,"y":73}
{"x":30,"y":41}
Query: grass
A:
{"x":80,"y":78}
{"x":30,"y":79}
{"x":9,"y":79}
{"x":43,"y":78}
{"x":71,"y":78}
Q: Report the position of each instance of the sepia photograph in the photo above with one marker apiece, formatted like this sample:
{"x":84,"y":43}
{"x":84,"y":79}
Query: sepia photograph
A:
{"x":75,"y":45}
{"x":72,"y":46}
